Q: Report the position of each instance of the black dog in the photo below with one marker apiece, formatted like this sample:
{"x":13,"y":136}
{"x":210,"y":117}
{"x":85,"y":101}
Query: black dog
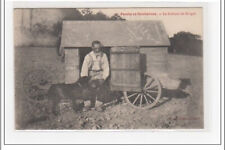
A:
{"x":83,"y":89}
{"x":75,"y":92}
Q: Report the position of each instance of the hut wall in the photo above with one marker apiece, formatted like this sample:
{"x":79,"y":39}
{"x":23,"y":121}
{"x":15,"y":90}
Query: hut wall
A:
{"x":154,"y":60}
{"x":72,"y":61}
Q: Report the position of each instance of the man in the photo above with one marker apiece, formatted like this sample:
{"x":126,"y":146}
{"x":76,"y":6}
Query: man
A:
{"x":96,"y":66}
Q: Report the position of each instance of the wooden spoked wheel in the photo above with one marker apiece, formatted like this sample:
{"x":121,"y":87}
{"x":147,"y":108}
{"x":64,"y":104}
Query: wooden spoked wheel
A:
{"x":148,"y":96}
{"x":36,"y":84}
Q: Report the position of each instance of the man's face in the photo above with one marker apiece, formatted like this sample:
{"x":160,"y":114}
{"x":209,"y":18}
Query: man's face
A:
{"x":96,"y":48}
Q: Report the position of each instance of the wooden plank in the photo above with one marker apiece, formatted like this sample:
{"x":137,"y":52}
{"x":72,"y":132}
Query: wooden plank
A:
{"x":125,"y":79}
{"x":125,"y":61}
{"x":71,"y":66}
{"x":125,"y":68}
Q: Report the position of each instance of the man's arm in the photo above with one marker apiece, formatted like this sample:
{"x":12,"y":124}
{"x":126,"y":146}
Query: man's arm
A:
{"x":85,"y":67}
{"x":105,"y":67}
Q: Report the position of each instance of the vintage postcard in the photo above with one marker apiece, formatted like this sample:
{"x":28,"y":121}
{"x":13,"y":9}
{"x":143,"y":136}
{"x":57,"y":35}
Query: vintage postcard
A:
{"x":108,"y":68}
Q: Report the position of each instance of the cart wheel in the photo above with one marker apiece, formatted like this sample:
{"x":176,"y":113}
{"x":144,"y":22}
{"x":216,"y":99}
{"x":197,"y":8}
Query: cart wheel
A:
{"x":148,"y":96}
{"x":36,"y":84}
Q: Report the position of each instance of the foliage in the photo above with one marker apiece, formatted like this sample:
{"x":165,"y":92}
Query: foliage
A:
{"x":116,"y":17}
{"x":71,"y":14}
{"x":186,"y":43}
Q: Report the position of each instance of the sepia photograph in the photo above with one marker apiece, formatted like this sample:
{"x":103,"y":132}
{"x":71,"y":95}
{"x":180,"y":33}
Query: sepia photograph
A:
{"x":108,"y":68}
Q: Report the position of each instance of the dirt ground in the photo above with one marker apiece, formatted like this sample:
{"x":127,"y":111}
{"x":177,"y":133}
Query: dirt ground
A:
{"x":178,"y":109}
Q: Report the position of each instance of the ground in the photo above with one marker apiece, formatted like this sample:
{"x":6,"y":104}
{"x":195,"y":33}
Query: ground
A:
{"x":178,"y":109}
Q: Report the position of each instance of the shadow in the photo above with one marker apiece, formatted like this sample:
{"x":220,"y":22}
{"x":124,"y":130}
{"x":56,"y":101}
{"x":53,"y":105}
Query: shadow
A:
{"x":179,"y":93}
{"x":143,"y":63}
{"x":143,"y":68}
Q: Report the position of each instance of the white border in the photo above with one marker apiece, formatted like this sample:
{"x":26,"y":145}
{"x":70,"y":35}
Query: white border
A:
{"x":211,"y":89}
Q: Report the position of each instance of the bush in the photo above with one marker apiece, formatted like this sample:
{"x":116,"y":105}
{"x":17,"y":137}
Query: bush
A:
{"x":186,"y":43}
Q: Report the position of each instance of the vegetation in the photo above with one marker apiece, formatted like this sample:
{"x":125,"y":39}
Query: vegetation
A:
{"x":72,"y":14}
{"x":186,"y":43}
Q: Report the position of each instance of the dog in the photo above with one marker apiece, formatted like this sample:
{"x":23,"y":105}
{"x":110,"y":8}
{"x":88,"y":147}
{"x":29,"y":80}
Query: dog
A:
{"x":78,"y":92}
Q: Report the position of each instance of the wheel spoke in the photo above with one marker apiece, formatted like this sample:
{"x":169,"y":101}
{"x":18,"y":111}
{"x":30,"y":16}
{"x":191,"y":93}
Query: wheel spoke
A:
{"x":148,"y":83}
{"x":152,"y":91}
{"x":152,"y":87}
{"x":146,"y":99}
{"x":141,"y":100}
{"x":131,"y":95}
{"x":150,"y":100}
{"x":136,"y":98}
{"x":150,"y":96}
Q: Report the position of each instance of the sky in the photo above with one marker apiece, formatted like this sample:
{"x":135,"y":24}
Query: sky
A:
{"x":174,"y":19}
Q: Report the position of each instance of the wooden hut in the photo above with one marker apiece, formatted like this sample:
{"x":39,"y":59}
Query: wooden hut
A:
{"x":133,"y":47}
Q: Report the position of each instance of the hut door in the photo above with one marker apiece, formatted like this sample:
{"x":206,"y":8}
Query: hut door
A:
{"x":125,"y":69}
{"x":72,"y":71}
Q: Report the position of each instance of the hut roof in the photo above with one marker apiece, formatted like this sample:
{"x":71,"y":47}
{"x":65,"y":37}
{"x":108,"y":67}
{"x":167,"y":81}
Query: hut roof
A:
{"x":114,"y":33}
